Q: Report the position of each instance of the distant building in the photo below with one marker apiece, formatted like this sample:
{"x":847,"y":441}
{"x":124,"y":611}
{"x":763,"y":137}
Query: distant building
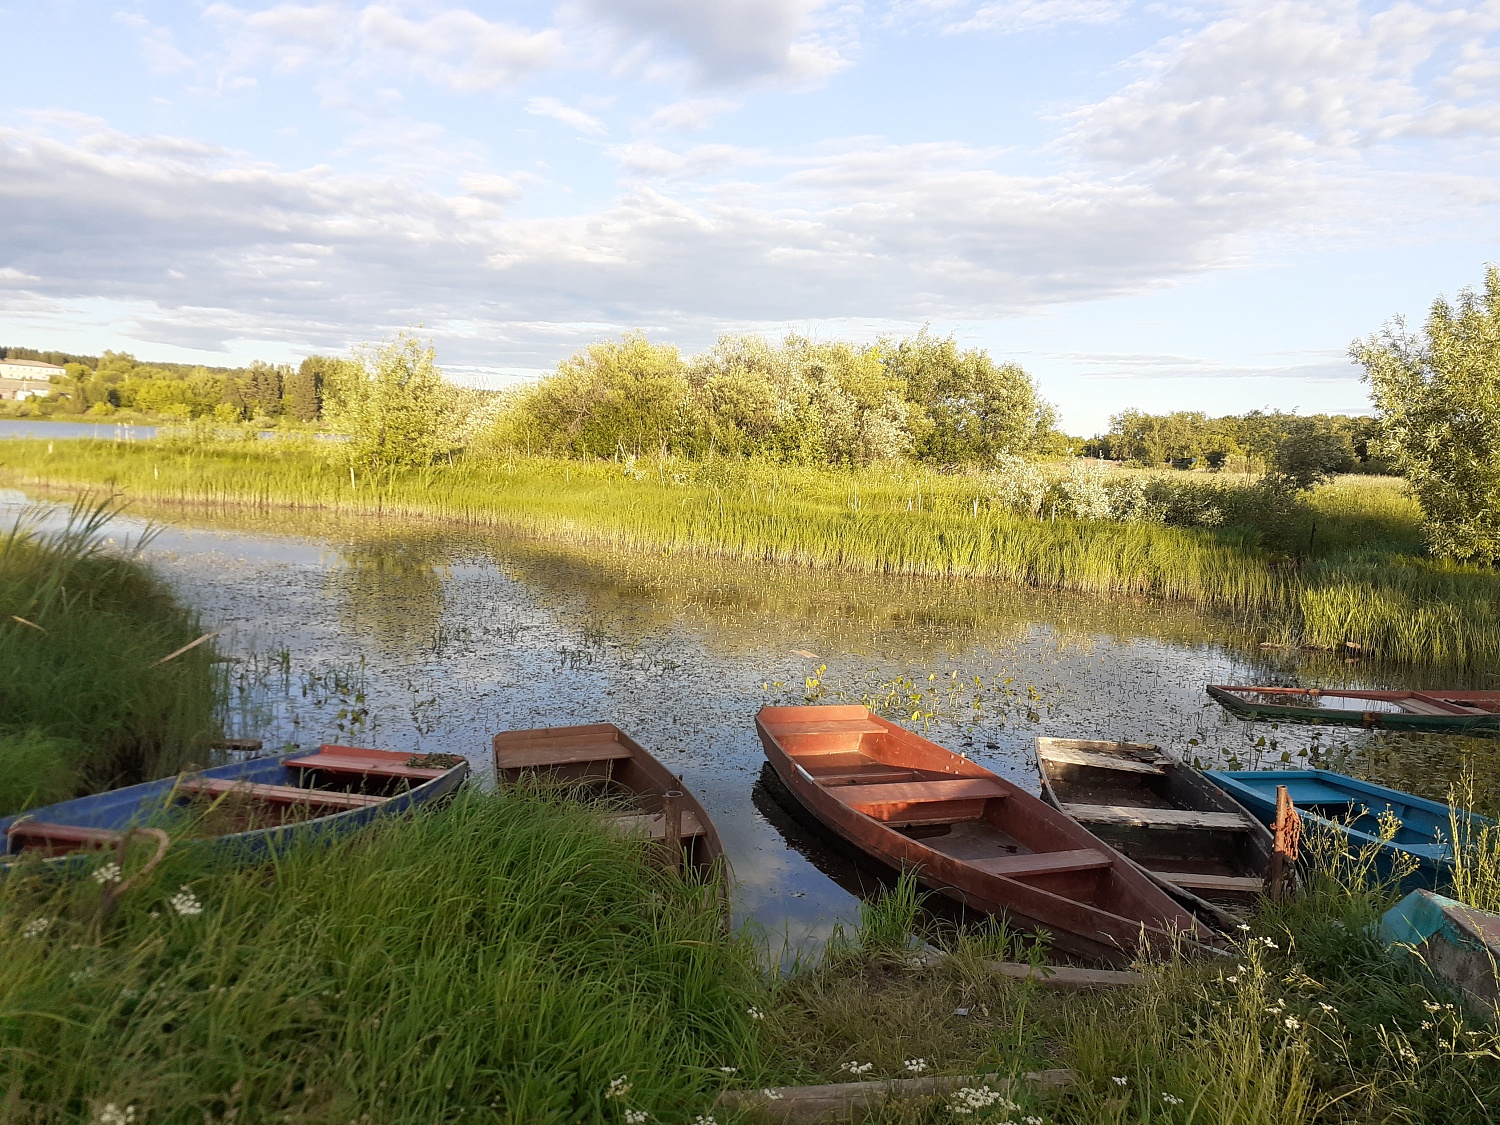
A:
{"x":26,"y":378}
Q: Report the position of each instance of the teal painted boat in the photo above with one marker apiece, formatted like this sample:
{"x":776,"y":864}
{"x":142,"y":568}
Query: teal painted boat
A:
{"x":1473,"y":711}
{"x":1344,"y":804}
{"x":1459,"y":943}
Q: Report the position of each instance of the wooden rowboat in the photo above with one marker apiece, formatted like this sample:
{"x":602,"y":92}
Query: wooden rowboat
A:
{"x":1186,"y":832}
{"x":968,"y":833}
{"x":1333,"y":802}
{"x":249,"y":808}
{"x":601,"y":761}
{"x":1459,"y":944}
{"x":1393,"y":710}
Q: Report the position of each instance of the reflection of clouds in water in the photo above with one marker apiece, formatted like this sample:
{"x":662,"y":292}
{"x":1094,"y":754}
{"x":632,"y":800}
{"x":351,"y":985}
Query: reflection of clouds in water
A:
{"x":462,"y":635}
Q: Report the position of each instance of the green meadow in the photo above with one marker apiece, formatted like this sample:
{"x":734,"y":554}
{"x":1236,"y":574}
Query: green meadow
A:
{"x":1341,"y":568}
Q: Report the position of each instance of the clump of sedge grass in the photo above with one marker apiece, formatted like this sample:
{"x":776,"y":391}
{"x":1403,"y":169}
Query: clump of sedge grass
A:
{"x":85,"y":701}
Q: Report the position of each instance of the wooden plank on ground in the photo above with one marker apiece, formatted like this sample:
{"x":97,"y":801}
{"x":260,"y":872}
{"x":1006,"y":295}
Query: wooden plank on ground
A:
{"x":806,"y":1105}
{"x":1065,"y":978}
{"x":1126,"y":816}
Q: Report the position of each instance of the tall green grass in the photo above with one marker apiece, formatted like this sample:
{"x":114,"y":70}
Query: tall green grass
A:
{"x":500,"y":959}
{"x":85,"y":702}
{"x":900,"y":520}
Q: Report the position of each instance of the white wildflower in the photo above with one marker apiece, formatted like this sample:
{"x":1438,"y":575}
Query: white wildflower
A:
{"x":186,"y":903}
{"x":1032,"y":1120}
{"x":112,"y":1114}
{"x":35,"y":928}
{"x":1118,"y":1081}
{"x":1234,"y":979}
{"x":636,"y":1117}
{"x":1292,"y":1023}
{"x":109,"y":873}
{"x":858,"y":1068}
{"x":967,"y":1099}
{"x":756,"y":1014}
{"x":771,"y":1095}
{"x":730,"y":1069}
{"x":705,"y":1119}
{"x":916,"y":1066}
{"x":1327,"y":1007}
{"x":1171,"y":1099}
{"x":1244,"y":929}
{"x":1269,"y":944}
{"x":618,"y":1087}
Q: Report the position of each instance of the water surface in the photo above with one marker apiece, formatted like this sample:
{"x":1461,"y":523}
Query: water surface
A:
{"x":424,"y":637}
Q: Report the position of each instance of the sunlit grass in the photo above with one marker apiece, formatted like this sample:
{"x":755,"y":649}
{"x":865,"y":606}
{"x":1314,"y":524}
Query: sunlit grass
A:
{"x":1362,"y":584}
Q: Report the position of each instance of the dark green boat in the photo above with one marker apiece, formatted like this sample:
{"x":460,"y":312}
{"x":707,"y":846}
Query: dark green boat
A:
{"x":1469,"y":711}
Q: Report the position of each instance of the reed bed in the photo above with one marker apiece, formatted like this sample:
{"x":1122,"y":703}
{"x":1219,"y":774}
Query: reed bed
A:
{"x":500,"y":959}
{"x":902,"y":520}
{"x":86,"y":701}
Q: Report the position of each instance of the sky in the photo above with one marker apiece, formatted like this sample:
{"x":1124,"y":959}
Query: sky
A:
{"x":1152,"y":205}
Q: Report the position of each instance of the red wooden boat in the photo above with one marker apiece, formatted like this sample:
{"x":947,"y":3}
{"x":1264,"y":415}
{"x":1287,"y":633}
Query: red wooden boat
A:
{"x":603,"y":762}
{"x":968,"y":833}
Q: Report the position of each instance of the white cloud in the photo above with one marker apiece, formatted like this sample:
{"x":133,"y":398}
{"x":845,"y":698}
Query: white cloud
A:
{"x":451,"y":47}
{"x":559,"y":110}
{"x":690,"y":115}
{"x":1032,"y":15}
{"x":727,"y":42}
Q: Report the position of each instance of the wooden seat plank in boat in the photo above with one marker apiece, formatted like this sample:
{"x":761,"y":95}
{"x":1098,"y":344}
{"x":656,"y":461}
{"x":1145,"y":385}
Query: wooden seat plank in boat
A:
{"x":279,"y":794}
{"x":834,"y":726}
{"x":655,"y":825}
{"x":362,"y":763}
{"x":915,"y":792}
{"x":987,"y":843}
{"x":871,"y":774}
{"x":560,"y":754}
{"x":1044,"y":863}
{"x":1075,"y":756}
{"x":1194,"y":881}
{"x":1159,"y":818}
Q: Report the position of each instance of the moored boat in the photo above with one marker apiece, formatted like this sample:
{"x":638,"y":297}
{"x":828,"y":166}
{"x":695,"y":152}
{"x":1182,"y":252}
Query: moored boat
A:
{"x":1334,"y":802}
{"x":246,"y":808}
{"x":1393,"y":710}
{"x":968,"y":833}
{"x":1161,"y":814}
{"x":1459,"y":943}
{"x":601,"y":761}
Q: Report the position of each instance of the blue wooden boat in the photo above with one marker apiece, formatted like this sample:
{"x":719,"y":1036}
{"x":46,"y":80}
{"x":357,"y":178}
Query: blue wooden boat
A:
{"x":1344,"y":804}
{"x":271,"y":801}
{"x":1458,"y":943}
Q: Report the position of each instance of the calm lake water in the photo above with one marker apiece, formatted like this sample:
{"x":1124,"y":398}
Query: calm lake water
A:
{"x":104,"y":431}
{"x":433,"y":638}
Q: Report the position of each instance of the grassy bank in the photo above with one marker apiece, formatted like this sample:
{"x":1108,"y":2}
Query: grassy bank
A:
{"x":496,"y":960}
{"x":86,"y":702}
{"x":1341,"y":569}
{"x":509,"y":959}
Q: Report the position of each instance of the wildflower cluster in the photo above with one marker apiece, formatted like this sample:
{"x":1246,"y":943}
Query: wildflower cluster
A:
{"x":109,"y":873}
{"x":186,"y":903}
{"x":857,"y":1068}
{"x":916,"y":1066}
{"x":35,"y":928}
{"x":971,"y":1099}
{"x":618,"y":1087}
{"x":112,"y":1114}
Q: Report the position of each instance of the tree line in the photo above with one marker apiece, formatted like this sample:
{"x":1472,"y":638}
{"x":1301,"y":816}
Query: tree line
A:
{"x":101,"y":385}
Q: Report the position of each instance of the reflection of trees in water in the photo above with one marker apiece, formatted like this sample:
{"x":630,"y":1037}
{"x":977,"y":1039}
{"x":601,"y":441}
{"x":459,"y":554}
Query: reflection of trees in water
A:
{"x":745,"y":607}
{"x":391,"y":588}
